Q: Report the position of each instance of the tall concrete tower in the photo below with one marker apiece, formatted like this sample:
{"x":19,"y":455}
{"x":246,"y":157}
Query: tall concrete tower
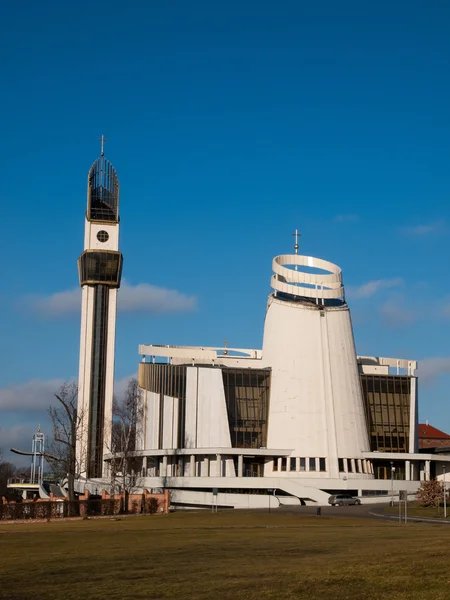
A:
{"x":316,"y":403}
{"x":100,"y":269}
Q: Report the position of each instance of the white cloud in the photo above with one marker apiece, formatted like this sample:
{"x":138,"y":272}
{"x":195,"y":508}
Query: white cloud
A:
{"x":143,"y":298}
{"x":424,"y":229}
{"x":346,"y":218}
{"x":366,"y":290}
{"x":34,"y":395}
{"x":395,"y":314}
{"x":431,"y":368}
{"x":120,"y":385}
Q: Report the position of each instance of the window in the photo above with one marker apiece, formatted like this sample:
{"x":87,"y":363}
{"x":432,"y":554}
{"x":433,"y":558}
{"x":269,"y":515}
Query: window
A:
{"x":341,"y":465}
{"x":102,"y":236}
{"x":350,"y":466}
{"x":283,"y":463}
{"x":247,"y":399}
{"x":322,"y":464}
{"x":303,"y":464}
{"x":275,"y":464}
{"x":312,"y":464}
{"x":293,"y":464}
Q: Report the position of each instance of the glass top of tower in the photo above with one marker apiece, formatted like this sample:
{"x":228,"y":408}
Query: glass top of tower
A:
{"x":103,"y":192}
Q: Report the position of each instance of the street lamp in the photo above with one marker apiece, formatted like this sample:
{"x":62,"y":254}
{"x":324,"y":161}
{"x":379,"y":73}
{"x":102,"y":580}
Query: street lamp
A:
{"x":392,"y":483}
{"x":445,"y":494}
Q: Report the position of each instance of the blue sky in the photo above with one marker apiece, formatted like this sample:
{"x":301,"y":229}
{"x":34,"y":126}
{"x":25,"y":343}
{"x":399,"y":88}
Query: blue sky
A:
{"x":230,"y":125}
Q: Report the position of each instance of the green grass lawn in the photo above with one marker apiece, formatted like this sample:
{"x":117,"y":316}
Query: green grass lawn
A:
{"x":231,"y":556}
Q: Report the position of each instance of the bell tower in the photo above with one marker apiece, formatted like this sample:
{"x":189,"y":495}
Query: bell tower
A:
{"x":100,"y":270}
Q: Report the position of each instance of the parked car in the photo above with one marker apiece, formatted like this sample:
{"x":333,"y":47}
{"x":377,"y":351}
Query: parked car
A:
{"x":343,"y":500}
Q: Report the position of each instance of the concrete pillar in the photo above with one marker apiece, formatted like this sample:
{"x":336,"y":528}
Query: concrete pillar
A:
{"x":192,"y":465}
{"x":352,"y":462}
{"x":144,"y":466}
{"x":427,"y":470}
{"x":360,"y":469}
{"x":241,"y":465}
{"x":205,"y":467}
{"x":407,"y":470}
{"x":344,"y":460}
{"x":164,"y":467}
{"x":218,"y":465}
{"x":279,"y":464}
{"x":307,"y":464}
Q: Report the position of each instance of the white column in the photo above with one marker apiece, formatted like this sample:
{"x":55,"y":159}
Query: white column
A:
{"x":352,"y":462}
{"x":164,"y":467}
{"x":407,"y":470}
{"x":427,"y":470}
{"x":413,"y":433}
{"x":205,"y":467}
{"x":218,"y":465}
{"x":240,"y":465}
{"x":144,"y":466}
{"x":192,"y":465}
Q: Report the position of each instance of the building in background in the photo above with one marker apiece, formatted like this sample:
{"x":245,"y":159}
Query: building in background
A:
{"x":431,"y":438}
{"x":100,"y":268}
{"x":300,"y":419}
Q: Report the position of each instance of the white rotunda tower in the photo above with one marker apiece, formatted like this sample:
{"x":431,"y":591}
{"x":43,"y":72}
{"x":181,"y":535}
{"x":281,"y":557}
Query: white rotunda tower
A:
{"x":316,"y":403}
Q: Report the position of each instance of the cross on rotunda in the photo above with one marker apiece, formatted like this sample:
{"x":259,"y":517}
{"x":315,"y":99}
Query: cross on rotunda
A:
{"x":102,"y":140}
{"x":296,"y":235}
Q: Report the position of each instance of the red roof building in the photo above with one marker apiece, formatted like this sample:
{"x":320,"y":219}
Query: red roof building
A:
{"x":430,"y":437}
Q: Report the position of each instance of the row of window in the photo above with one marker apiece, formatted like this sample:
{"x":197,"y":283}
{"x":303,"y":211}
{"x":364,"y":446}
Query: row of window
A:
{"x":355,"y":465}
{"x":299,"y":464}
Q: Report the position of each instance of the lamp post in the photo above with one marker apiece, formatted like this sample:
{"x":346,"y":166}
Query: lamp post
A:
{"x":445,"y":493}
{"x":392,"y":483}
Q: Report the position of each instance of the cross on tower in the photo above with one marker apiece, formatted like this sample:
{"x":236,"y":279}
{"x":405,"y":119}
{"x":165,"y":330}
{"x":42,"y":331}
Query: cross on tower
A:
{"x":296,"y":235}
{"x":102,"y":140}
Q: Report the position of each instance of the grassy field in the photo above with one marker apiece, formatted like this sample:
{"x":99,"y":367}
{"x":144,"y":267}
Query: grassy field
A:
{"x":414,"y":510}
{"x":230,"y":556}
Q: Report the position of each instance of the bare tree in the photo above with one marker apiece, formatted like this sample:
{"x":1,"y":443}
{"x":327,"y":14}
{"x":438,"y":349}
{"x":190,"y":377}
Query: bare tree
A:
{"x":126,"y":437}
{"x":7,"y":470}
{"x":66,"y":422}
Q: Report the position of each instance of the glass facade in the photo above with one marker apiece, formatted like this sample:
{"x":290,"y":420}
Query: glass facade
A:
{"x":98,"y":377}
{"x":387,"y":404}
{"x":103,"y":192}
{"x":100,"y":267}
{"x":247,"y":394}
{"x":166,"y":380}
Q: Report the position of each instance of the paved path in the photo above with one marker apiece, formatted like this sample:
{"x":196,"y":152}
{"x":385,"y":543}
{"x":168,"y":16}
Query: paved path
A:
{"x":364,"y":511}
{"x":361,"y":512}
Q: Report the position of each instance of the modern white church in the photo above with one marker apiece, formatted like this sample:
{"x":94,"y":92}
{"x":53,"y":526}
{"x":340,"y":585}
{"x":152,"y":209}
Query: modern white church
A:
{"x":292,"y":423}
